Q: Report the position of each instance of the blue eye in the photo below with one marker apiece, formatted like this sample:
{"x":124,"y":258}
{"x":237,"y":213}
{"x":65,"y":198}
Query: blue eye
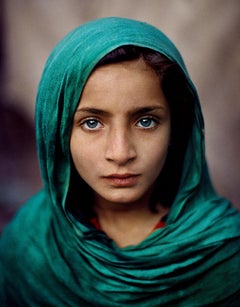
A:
{"x":91,"y":124}
{"x":146,"y":122}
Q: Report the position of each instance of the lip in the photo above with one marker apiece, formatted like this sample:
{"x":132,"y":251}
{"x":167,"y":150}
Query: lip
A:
{"x":122,"y":180}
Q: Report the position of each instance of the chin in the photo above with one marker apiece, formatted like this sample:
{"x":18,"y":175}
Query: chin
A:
{"x":124,"y":198}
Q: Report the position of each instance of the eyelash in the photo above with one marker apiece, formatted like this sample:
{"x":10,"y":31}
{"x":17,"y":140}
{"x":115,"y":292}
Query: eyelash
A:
{"x":153,"y":122}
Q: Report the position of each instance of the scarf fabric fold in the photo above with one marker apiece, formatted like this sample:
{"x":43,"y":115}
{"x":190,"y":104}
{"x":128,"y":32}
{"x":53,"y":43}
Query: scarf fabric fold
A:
{"x":48,"y":258}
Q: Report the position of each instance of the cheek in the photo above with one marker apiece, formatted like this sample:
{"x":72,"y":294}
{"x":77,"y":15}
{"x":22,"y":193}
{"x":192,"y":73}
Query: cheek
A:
{"x":84,"y":154}
{"x":158,"y":158}
{"x":77,"y":149}
{"x":156,"y":154}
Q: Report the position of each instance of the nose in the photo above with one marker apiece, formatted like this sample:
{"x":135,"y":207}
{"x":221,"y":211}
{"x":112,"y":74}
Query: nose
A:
{"x":120,"y":146}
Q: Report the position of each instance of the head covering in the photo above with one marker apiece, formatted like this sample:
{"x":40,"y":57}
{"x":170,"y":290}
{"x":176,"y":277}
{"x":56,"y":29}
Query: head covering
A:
{"x":48,"y":258}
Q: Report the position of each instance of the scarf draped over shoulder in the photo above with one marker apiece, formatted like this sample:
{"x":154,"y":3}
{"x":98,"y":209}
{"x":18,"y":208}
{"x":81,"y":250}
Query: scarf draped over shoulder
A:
{"x":48,"y":258}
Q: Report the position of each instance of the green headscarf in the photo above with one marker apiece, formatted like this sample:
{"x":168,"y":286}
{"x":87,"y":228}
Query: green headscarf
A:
{"x":48,"y":258}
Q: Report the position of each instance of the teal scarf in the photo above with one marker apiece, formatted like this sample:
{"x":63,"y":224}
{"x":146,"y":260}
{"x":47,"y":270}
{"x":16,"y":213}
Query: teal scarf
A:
{"x":47,"y":258}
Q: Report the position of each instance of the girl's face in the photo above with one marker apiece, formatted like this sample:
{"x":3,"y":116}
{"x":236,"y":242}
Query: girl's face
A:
{"x":121,"y":132}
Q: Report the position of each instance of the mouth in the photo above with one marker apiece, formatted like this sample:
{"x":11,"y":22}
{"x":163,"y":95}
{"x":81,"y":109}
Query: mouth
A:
{"x":122,"y":180}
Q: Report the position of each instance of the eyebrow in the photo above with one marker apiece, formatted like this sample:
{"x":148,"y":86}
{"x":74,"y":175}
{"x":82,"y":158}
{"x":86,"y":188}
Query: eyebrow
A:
{"x":143,"y":110}
{"x":136,"y":111}
{"x":91,"y":111}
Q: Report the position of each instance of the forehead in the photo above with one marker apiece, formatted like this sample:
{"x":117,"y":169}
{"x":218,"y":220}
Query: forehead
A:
{"x":135,"y":72}
{"x":123,"y":86}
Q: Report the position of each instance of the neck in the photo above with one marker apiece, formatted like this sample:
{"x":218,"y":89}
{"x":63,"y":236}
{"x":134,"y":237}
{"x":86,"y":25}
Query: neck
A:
{"x":128,"y":224}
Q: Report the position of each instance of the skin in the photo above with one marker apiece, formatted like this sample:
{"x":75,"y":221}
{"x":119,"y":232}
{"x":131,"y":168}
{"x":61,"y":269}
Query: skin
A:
{"x":119,"y":143}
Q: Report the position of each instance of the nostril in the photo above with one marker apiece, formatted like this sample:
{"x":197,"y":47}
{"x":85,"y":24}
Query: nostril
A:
{"x":120,"y":153}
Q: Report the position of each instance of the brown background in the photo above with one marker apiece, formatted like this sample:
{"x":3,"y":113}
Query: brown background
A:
{"x":206,"y":32}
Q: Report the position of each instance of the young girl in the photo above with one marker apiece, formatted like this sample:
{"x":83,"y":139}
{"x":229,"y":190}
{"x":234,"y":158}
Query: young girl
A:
{"x":127,"y":215}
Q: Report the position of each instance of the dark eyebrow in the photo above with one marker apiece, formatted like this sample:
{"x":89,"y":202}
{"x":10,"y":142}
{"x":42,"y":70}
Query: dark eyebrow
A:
{"x":137,"y":111}
{"x":141,"y":111}
{"x":92,"y":111}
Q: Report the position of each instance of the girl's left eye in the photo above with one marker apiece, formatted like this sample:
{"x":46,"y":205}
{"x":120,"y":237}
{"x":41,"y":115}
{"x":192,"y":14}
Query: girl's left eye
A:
{"x":147,"y":122}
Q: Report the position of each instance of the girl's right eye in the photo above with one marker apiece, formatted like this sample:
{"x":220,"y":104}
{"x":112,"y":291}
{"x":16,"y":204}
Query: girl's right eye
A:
{"x":91,"y":124}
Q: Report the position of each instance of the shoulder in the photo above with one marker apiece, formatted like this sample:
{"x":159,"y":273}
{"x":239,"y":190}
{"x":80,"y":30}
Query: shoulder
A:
{"x":26,"y":218}
{"x":20,"y":242}
{"x":21,"y":237}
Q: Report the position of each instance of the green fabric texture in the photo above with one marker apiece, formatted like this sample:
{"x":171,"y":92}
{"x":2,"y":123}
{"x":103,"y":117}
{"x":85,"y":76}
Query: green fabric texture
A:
{"x":47,"y":258}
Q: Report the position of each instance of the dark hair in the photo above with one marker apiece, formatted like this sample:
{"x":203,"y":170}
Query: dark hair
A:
{"x":181,"y":102}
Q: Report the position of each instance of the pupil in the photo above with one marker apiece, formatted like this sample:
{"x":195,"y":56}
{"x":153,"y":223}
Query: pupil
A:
{"x":92,"y":123}
{"x":145,"y":122}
